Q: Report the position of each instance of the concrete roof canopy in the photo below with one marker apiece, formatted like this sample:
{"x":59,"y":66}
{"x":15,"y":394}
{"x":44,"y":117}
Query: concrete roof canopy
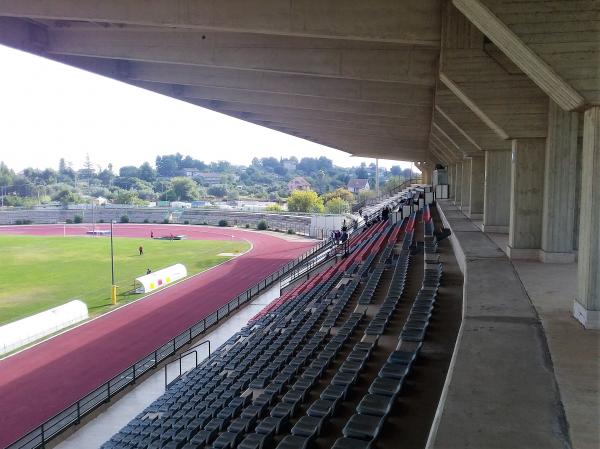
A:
{"x":304,"y":68}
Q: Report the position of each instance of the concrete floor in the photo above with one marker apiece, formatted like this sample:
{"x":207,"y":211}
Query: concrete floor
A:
{"x":575,"y":351}
{"x":97,"y":431}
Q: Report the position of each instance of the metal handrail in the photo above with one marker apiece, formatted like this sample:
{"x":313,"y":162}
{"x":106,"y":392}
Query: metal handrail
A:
{"x":194,"y":351}
{"x":39,"y":436}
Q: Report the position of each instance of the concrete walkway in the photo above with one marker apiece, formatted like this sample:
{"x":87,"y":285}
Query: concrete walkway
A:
{"x":573,"y":351}
{"x":501,"y":390}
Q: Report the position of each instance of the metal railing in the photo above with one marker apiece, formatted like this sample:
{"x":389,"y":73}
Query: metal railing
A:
{"x":71,"y":415}
{"x":385,"y":192}
{"x":191,"y":351}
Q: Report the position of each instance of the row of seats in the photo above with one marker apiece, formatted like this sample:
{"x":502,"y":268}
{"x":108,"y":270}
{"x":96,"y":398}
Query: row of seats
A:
{"x":255,"y":387}
{"x":358,"y":244}
{"x":233,"y":389}
{"x":363,"y":427}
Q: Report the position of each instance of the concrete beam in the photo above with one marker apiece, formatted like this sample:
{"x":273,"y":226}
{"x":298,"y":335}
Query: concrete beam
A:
{"x":255,"y":81}
{"x":282,"y":54}
{"x":452,"y":132}
{"x":291,"y":101}
{"x":410,"y":21}
{"x":440,"y":156}
{"x":527,"y":60}
{"x":502,"y":96}
{"x":399,"y":131}
{"x":440,"y":116}
{"x":354,"y":143}
{"x":450,"y":106}
{"x":250,"y":109}
{"x":441,"y":149}
{"x":470,"y":103}
{"x":441,"y":139}
{"x":443,"y":146}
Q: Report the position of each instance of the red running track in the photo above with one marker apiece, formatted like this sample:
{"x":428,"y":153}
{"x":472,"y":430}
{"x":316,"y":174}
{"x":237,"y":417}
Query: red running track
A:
{"x":41,"y":381}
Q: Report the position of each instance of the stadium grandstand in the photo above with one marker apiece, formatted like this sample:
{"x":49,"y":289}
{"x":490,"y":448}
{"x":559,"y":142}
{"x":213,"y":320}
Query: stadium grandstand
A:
{"x":469,"y":318}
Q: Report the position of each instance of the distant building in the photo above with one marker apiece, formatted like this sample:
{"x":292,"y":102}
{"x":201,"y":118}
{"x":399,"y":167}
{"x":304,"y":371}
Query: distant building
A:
{"x":210,"y":177}
{"x":298,"y":183}
{"x":190,"y":172}
{"x":356,"y":185}
{"x":201,"y":203}
{"x":289,"y":164}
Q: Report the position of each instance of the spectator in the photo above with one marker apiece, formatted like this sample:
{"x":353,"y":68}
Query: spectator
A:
{"x":148,"y":271}
{"x":385,"y":213}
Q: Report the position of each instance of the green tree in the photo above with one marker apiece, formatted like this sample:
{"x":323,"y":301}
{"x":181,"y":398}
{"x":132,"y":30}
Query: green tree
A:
{"x":366,"y":195}
{"x":184,"y":189}
{"x":129,"y":171}
{"x":217,"y":190}
{"x":6,"y":175}
{"x":305,"y":201}
{"x":168,"y":165}
{"x":233,"y":195}
{"x":146,"y":172}
{"x":128,"y":197}
{"x":66,"y":197}
{"x":273,"y":208}
{"x":337,"y":206}
{"x":341,"y":192}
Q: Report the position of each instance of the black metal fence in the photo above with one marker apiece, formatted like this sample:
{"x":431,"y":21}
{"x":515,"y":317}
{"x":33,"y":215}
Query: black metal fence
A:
{"x":71,"y":415}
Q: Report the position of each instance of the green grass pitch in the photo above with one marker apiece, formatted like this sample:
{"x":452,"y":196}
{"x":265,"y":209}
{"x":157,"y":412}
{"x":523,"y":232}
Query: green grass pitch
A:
{"x":38,"y":273}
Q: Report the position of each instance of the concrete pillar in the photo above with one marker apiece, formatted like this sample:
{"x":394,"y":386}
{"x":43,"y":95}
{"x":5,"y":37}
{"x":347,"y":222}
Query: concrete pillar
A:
{"x":458,"y":184}
{"x":496,"y":194}
{"x":451,"y":175}
{"x":526,"y":198}
{"x":560,"y":181}
{"x":476,"y":187}
{"x":587,"y":303}
{"x":465,"y":195}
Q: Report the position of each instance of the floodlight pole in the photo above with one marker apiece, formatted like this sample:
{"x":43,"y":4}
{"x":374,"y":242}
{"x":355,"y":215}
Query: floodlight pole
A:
{"x":113,"y":291}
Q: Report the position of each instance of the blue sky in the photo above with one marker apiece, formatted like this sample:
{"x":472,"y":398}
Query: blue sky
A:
{"x":49,"y":110}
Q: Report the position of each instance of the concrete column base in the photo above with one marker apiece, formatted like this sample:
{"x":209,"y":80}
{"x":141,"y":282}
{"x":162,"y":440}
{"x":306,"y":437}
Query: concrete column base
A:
{"x":550,"y":257}
{"x":495,"y":229}
{"x":476,"y":216}
{"x":589,"y":318}
{"x":522,"y":253}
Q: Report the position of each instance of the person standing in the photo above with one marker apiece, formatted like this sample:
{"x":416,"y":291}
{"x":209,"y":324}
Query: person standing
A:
{"x":141,"y":250}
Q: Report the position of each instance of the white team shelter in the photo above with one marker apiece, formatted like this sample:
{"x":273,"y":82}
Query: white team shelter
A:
{"x":160,"y":278}
{"x":19,"y":333}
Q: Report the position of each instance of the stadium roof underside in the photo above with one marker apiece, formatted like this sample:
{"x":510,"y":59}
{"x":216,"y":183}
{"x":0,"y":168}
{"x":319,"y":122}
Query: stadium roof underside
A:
{"x":306,"y":68}
{"x":421,"y":80}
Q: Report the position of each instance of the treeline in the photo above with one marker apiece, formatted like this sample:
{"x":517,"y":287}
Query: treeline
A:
{"x":175,"y":177}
